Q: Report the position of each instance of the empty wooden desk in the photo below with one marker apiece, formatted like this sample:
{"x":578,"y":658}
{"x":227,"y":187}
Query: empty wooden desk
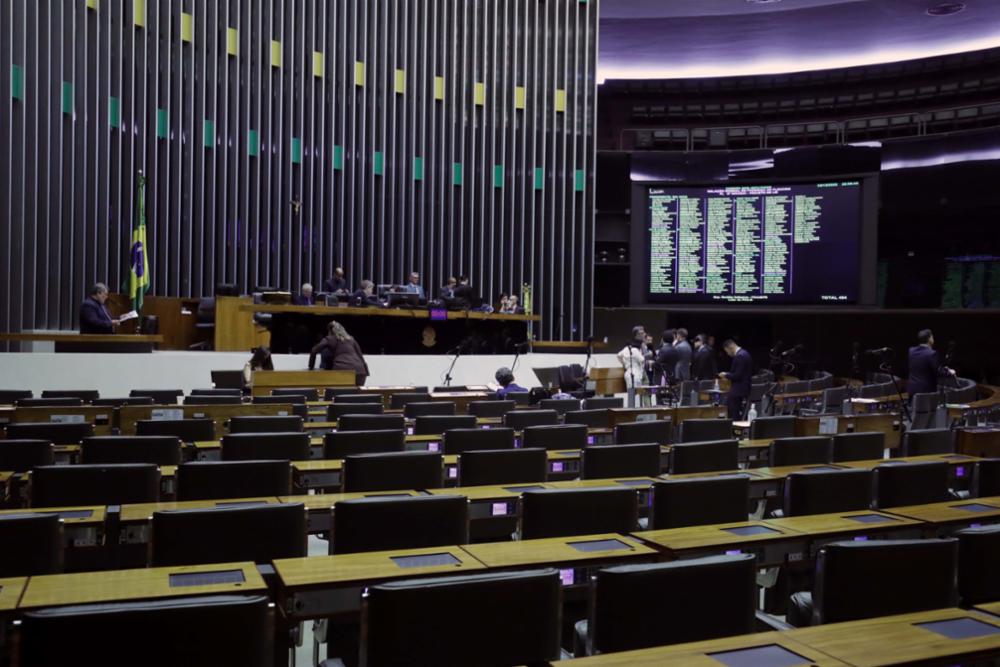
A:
{"x":83,"y":527}
{"x":321,"y":586}
{"x":990,"y":608}
{"x":76,"y":342}
{"x":56,"y":590}
{"x":773,"y":545}
{"x":862,"y":525}
{"x":319,"y":506}
{"x":762,"y":483}
{"x":575,"y":556}
{"x":10,"y":594}
{"x":103,"y":417}
{"x":947,"y":517}
{"x":925,"y":637}
{"x":136,"y":519}
{"x":761,"y":649}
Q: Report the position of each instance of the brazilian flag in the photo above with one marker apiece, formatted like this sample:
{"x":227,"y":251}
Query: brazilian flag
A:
{"x":138,"y":282}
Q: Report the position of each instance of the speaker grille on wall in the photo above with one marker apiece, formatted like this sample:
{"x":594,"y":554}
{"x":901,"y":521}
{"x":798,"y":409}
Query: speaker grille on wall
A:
{"x":283,"y":138}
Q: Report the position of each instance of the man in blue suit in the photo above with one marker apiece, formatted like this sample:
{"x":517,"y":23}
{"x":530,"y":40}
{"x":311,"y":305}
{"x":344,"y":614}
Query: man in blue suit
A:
{"x":740,"y":374}
{"x":94,"y":315}
{"x":924,"y":366}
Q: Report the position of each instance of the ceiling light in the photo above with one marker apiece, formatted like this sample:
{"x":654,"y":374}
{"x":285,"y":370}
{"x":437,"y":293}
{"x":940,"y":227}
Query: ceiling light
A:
{"x":945,"y":8}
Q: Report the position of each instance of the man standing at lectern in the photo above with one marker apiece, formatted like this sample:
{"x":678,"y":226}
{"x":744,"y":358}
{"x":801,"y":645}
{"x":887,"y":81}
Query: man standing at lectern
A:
{"x":94,"y":315}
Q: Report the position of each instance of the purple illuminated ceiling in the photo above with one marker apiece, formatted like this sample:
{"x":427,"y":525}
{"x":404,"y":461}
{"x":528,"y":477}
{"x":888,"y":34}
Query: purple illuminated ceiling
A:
{"x":663,"y":39}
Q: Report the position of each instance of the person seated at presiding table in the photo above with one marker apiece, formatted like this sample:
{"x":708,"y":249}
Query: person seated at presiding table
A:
{"x":260,"y":361}
{"x":94,"y":315}
{"x":413,"y":285}
{"x":448,"y":289}
{"x":338,"y":351}
{"x":305,"y":296}
{"x":337,"y":284}
{"x":365,"y":296}
{"x":505,"y":383}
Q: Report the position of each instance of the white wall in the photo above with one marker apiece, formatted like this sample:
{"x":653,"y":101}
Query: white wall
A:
{"x":116,"y":374}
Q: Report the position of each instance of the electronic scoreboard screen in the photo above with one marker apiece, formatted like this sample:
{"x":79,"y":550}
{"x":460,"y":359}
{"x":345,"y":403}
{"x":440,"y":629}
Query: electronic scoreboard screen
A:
{"x":768,"y":244}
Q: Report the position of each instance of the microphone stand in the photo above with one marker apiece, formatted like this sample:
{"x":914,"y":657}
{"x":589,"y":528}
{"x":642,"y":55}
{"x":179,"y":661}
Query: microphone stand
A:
{"x":447,"y":375}
{"x":886,"y":367}
{"x":517,"y":353}
{"x":631,"y":372}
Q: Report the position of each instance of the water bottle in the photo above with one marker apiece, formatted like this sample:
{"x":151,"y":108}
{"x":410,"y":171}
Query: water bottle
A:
{"x":752,"y":413}
{"x":716,"y":387}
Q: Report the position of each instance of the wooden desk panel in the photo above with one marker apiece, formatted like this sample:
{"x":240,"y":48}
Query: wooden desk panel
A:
{"x":897,"y":640}
{"x":680,"y":540}
{"x":128,"y":415}
{"x":10,"y":592}
{"x":235,"y":329}
{"x":265,"y":381}
{"x":557,"y":551}
{"x":990,"y":608}
{"x":319,"y":502}
{"x":490,"y":492}
{"x":698,"y":654}
{"x":68,"y":337}
{"x":104,"y":418}
{"x":143,"y":512}
{"x":828,"y":525}
{"x":56,"y":590}
{"x":96,"y":516}
{"x":641,"y":483}
{"x":978,"y":441}
{"x":951,"y":512}
{"x":885,"y":423}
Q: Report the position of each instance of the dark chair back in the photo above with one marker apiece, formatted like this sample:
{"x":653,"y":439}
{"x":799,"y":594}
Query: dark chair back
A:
{"x":856,"y":580}
{"x":337,"y":410}
{"x":863,"y":446}
{"x":633,"y":605}
{"x":502,"y":466}
{"x":439,"y":424}
{"x":124,"y":400}
{"x":490,"y":408}
{"x":772,"y":427}
{"x":607,"y":461}
{"x":901,"y":484}
{"x":986,"y":478}
{"x":700,"y":501}
{"x":34,"y":544}
{"x":10,"y":396}
{"x":355,"y":399}
{"x":460,"y":440}
{"x":48,"y":402}
{"x":307,"y":393}
{"x":188,"y":430}
{"x":711,"y":456}
{"x":371,"y":422}
{"x":502,"y":618}
{"x":385,"y":472}
{"x":596,"y":418}
{"x":54,"y":432}
{"x":435,"y":408}
{"x":921,"y":442}
{"x":562,"y":436}
{"x":800,"y":451}
{"x":216,"y":630}
{"x":413,"y":522}
{"x":265,"y":424}
{"x":562,"y":512}
{"x":603,"y":403}
{"x":159,"y":396}
{"x":279,"y":399}
{"x":23,"y":455}
{"x":99,"y":484}
{"x":339,"y":444}
{"x":85,"y":395}
{"x":259,"y":533}
{"x":216,"y":391}
{"x":833,"y":399}
{"x":212,"y":399}
{"x":291,"y":446}
{"x":443,"y":389}
{"x":659,"y":431}
{"x":162,"y":450}
{"x":825,"y":492}
{"x":703,"y":430}
{"x":331,"y":393}
{"x":520,"y":419}
{"x":210,"y":480}
{"x":978,"y":555}
{"x":560,"y":405}
{"x":402,"y":399}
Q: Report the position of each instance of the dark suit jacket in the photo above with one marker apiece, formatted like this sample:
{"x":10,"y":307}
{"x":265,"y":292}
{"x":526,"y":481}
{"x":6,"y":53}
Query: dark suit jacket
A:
{"x":924,"y":369}
{"x":740,"y":374}
{"x":359,"y":298}
{"x":703,"y":366}
{"x":666,"y":358}
{"x":684,"y":354}
{"x":94,"y":318}
{"x":335,"y":284}
{"x":304,"y":300}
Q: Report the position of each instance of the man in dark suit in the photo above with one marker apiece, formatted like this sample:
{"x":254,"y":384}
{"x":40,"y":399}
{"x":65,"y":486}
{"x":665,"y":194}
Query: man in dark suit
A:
{"x":337,"y":284}
{"x":739,"y":375}
{"x":703,"y":366}
{"x":94,"y":315}
{"x":305,"y":296}
{"x":924,"y":366}
{"x":666,"y":358}
{"x":684,"y":354}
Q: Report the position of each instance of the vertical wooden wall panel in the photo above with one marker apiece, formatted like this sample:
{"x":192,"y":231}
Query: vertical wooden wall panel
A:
{"x":284,"y":138}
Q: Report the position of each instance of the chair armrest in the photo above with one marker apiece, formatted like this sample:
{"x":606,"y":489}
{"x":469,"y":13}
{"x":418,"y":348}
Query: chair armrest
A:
{"x":765,"y":622}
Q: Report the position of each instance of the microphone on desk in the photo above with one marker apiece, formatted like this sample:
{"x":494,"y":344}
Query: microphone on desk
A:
{"x":522,"y":346}
{"x":775,"y":349}
{"x":793,"y":350}
{"x":878,"y":351}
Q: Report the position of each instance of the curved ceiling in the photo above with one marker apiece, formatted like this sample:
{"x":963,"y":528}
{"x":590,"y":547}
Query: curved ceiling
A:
{"x":668,"y":39}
